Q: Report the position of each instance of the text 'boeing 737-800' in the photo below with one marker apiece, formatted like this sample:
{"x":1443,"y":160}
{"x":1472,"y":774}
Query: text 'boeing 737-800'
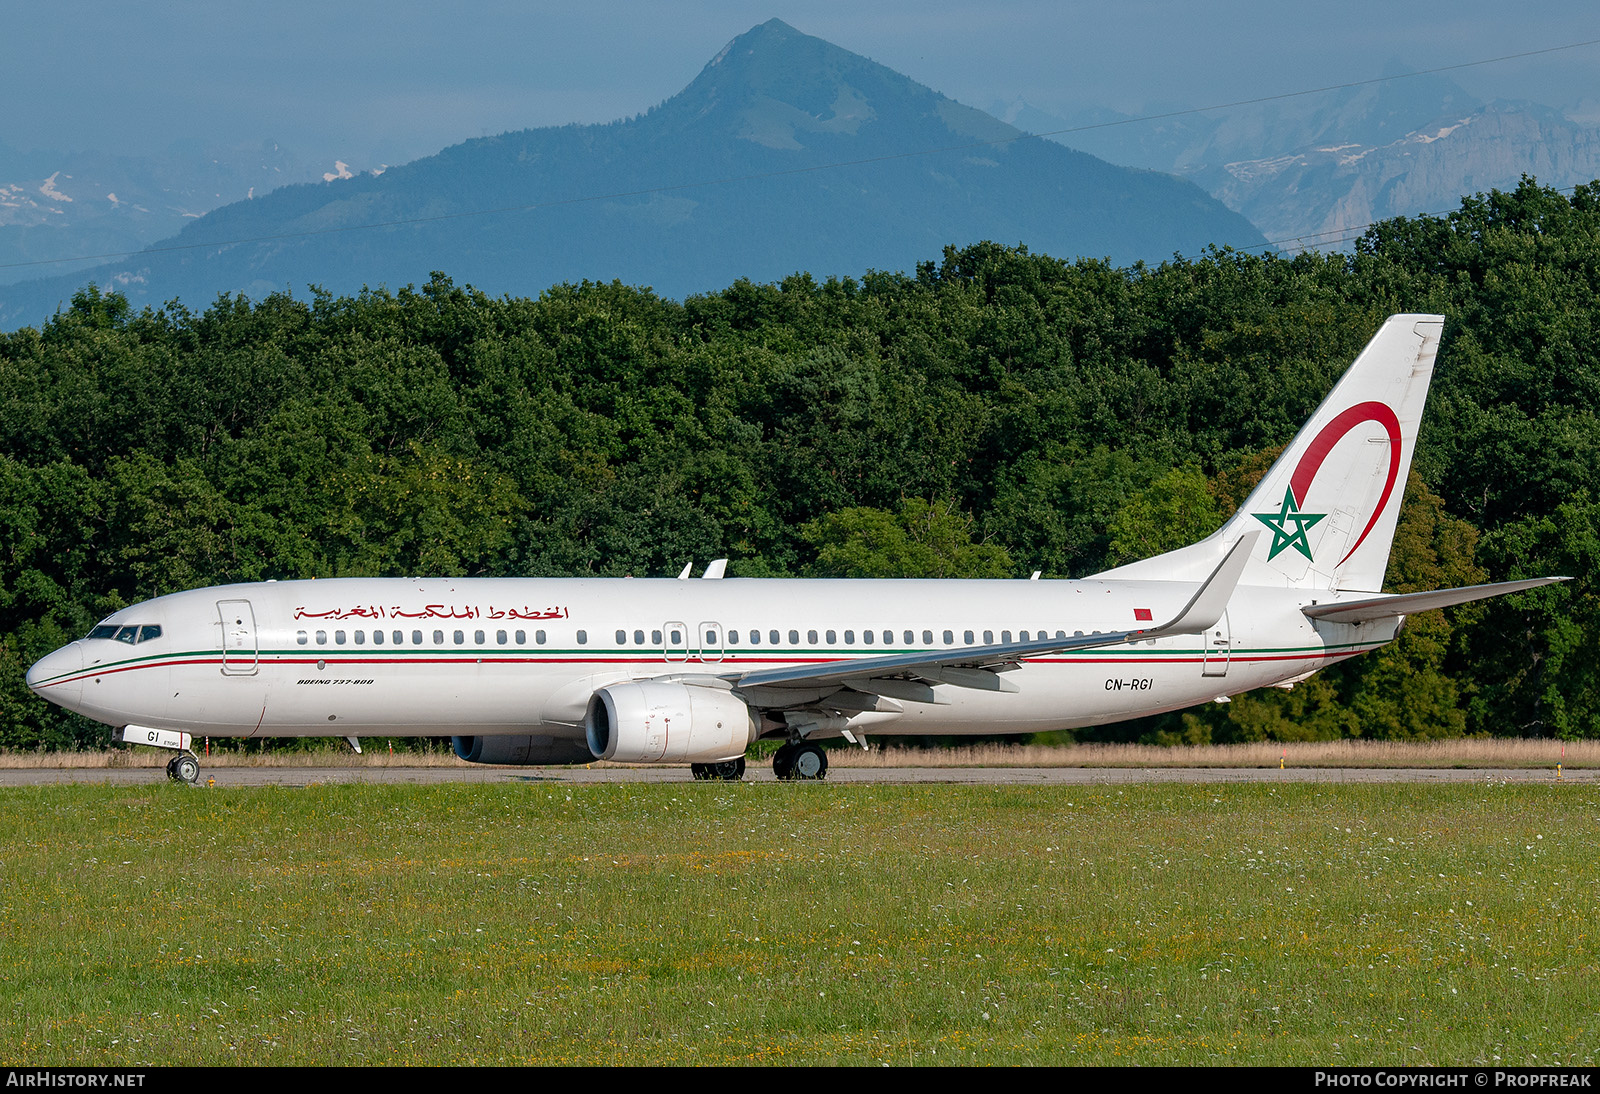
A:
{"x":552,"y":671}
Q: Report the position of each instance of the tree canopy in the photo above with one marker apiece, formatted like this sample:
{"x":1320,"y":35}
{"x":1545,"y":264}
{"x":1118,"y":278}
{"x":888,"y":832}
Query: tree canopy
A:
{"x":992,"y":413}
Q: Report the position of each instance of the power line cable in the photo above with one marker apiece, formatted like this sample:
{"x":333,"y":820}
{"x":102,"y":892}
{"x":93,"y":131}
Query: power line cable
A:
{"x":1350,"y":233}
{"x":1319,"y":90}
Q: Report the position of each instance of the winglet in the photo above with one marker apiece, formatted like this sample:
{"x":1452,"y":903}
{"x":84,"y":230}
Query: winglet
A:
{"x":1211,"y":600}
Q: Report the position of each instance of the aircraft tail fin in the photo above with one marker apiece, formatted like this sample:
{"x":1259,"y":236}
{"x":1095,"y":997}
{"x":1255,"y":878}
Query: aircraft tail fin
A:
{"x":1329,"y":505}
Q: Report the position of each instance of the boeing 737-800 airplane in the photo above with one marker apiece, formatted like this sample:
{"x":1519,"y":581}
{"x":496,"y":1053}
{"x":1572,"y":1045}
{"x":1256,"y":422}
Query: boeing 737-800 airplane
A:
{"x":536,"y":671}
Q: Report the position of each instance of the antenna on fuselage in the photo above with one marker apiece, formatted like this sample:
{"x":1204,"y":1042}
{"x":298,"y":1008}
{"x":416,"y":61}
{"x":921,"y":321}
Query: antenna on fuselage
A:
{"x":687,"y":566}
{"x":718,"y":567}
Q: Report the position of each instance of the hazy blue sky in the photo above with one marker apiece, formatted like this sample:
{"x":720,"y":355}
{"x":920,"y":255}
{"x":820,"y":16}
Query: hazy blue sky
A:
{"x":386,"y":82}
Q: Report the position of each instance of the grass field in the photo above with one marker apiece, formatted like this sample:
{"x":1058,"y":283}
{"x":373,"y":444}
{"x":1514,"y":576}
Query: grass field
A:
{"x":771,"y":923}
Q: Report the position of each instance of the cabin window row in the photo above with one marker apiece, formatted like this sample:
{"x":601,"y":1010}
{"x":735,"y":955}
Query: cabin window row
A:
{"x":398,"y":638}
{"x":831,"y":637}
{"x":674,"y":637}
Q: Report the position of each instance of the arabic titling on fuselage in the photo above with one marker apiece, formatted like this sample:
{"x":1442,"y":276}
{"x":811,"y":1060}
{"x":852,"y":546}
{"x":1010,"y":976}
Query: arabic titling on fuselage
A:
{"x":539,"y":671}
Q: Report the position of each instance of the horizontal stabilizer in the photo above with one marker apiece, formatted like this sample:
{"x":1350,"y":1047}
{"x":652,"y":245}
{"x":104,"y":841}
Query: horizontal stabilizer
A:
{"x":1387,"y":607}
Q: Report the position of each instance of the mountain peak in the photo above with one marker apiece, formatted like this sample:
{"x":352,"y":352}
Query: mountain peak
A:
{"x":787,"y":91}
{"x":772,"y":33}
{"x":773,"y":57}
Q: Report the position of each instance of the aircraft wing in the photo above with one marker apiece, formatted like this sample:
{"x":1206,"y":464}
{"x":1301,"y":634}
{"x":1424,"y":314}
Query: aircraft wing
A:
{"x":979,"y":666}
{"x":1387,"y":607}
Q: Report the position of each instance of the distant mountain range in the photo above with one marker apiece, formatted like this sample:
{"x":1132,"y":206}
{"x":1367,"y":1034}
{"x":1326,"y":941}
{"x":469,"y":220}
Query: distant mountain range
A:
{"x":1314,"y":170}
{"x":83,"y":203}
{"x":733,"y":177}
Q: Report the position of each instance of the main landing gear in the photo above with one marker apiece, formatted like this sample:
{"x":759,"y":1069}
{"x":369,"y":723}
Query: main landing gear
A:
{"x":184,"y":767}
{"x":800,"y":761}
{"x":726,"y":771}
{"x":792,"y":761}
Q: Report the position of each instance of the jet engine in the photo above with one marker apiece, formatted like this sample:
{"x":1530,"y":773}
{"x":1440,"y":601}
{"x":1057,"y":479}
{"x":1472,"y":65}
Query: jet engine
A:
{"x":652,"y":721}
{"x":520,"y":749}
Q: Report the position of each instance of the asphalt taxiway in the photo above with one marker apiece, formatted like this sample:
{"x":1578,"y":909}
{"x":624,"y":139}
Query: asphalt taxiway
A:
{"x":231,"y":776}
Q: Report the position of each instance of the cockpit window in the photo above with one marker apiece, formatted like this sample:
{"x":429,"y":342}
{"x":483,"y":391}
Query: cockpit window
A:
{"x":130,"y":634}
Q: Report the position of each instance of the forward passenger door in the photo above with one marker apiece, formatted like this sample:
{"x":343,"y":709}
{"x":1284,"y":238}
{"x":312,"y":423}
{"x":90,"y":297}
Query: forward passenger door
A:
{"x":240,"y":655}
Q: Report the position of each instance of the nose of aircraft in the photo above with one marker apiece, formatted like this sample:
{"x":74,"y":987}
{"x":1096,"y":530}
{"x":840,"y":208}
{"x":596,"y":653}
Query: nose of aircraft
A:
{"x":57,"y":676}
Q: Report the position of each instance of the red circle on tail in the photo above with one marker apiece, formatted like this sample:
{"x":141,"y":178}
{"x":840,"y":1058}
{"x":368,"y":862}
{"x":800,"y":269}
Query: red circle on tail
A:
{"x":1330,"y":435}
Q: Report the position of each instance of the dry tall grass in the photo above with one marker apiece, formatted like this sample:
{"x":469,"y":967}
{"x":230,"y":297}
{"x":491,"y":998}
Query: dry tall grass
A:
{"x":1461,"y":752}
{"x":374,"y":754}
{"x":1473,"y":752}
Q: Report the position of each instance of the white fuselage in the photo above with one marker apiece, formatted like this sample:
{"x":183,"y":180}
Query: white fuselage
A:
{"x":427,"y":657}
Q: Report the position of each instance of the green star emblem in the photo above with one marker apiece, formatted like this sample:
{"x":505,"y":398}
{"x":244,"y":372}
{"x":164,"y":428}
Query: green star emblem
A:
{"x":1279,"y":522}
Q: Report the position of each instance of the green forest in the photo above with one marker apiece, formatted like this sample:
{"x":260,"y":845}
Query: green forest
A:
{"x":989,"y":414}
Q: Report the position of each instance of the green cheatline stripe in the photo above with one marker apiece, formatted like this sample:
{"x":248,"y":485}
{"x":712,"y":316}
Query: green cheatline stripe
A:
{"x":775,"y":652}
{"x":149,"y":660}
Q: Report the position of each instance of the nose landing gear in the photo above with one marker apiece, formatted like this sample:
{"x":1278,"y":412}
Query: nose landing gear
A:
{"x":184,"y":767}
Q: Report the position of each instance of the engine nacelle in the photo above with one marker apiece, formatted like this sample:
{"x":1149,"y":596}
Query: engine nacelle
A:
{"x":651,"y":721}
{"x":521,"y":749}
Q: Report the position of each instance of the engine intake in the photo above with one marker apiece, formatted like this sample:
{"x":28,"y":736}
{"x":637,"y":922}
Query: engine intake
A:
{"x":650,"y":721}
